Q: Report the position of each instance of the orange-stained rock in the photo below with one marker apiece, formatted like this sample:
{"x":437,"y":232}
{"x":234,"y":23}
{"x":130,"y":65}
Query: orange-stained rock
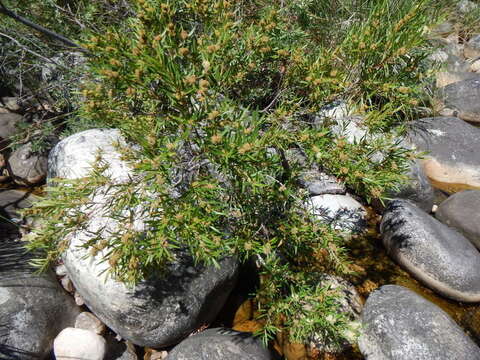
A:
{"x":449,"y":178}
{"x":248,"y":326}
{"x":451,"y":147}
{"x":295,"y":351}
{"x":244,"y":312}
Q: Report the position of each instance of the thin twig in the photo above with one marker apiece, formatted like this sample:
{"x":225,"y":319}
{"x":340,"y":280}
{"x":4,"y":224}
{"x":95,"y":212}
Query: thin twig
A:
{"x":33,"y":52}
{"x":45,"y":31}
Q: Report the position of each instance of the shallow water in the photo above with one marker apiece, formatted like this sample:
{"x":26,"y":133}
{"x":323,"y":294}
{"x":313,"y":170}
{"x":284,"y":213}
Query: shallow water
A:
{"x":376,"y":269}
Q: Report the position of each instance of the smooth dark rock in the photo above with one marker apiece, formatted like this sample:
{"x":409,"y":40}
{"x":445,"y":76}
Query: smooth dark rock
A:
{"x":33,"y":308}
{"x":438,"y":256}
{"x":462,"y":212}
{"x":452,"y":146}
{"x":463,"y":96}
{"x":398,"y":324}
{"x":220,"y":344}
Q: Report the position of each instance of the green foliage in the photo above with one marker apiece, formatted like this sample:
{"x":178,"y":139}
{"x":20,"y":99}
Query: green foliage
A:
{"x":215,"y":93}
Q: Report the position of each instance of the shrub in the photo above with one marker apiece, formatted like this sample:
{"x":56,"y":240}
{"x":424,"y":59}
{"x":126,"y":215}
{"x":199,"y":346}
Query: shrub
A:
{"x":216,"y":92}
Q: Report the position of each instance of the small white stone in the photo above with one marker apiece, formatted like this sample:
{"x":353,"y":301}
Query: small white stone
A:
{"x":434,"y":208}
{"x":87,"y":321}
{"x":475,"y":66}
{"x":61,"y":270}
{"x":66,"y":284}
{"x":78,"y":299}
{"x":82,"y":344}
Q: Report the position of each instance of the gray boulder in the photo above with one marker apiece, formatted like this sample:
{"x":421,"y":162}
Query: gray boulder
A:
{"x":27,"y":167}
{"x":463,"y":97}
{"x":462,"y":212}
{"x":451,"y":145}
{"x":34,"y":308}
{"x":220,"y":344}
{"x":438,"y":256}
{"x":159,"y":311}
{"x":399,"y":325}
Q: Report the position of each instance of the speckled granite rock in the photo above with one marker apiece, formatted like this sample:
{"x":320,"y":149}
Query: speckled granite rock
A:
{"x":399,"y":325}
{"x":438,"y":256}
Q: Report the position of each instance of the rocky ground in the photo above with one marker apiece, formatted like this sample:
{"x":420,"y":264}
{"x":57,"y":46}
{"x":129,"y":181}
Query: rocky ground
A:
{"x":414,"y":296}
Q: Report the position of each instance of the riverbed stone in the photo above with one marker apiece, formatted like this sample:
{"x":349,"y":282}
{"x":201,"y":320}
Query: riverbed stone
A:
{"x":451,"y":145}
{"x":399,"y":324}
{"x":342,"y":212}
{"x":463,"y":96}
{"x":33,"y":308}
{"x":27,"y":167}
{"x":220,"y":344}
{"x":160,"y":310}
{"x":438,"y":256}
{"x":82,"y":344}
{"x":462,"y":212}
